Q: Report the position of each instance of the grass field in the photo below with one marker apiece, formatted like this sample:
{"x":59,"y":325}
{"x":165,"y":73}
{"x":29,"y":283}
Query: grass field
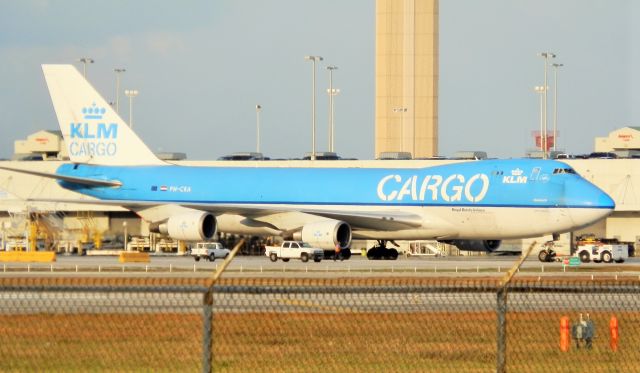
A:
{"x":456,"y":341}
{"x":434,"y":342}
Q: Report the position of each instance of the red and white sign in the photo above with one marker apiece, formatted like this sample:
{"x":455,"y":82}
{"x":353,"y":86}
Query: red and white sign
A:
{"x":625,"y":136}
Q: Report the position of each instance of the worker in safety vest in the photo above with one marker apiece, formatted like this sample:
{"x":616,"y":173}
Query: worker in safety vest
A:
{"x":338,"y":253}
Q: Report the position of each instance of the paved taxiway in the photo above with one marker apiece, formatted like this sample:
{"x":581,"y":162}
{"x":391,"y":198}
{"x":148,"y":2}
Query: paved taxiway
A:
{"x":295,"y":299}
{"x":357,"y":266}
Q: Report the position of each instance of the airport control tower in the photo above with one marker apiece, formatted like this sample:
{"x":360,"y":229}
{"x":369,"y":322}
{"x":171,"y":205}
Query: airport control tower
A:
{"x":407,"y":77}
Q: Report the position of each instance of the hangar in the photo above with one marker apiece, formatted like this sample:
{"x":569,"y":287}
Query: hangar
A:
{"x":624,"y":142}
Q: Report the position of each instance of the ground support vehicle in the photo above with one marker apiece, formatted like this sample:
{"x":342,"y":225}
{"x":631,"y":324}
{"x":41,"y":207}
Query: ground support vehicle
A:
{"x":294,"y":250}
{"x":601,"y":252}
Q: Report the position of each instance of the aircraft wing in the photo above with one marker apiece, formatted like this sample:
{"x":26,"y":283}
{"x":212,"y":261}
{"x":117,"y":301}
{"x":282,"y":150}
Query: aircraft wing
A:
{"x":374,"y":220}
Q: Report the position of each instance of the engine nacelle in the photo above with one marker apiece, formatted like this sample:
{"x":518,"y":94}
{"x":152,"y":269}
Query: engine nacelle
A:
{"x":475,"y":245}
{"x":326,"y":234}
{"x":194,"y":226}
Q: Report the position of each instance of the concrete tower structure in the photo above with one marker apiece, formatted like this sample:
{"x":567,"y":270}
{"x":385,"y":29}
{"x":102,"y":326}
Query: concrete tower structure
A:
{"x":407,"y":77}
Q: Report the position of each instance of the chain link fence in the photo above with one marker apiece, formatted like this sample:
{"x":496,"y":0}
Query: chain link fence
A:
{"x":318,"y":325}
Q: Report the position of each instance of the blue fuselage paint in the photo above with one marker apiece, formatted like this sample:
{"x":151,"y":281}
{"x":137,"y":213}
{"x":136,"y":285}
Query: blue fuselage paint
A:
{"x":519,"y":183}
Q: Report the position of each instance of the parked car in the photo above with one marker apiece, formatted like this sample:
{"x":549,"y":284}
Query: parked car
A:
{"x":603,"y":155}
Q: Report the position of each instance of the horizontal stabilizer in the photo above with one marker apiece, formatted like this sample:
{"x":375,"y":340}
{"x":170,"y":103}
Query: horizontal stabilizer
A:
{"x":70,"y":179}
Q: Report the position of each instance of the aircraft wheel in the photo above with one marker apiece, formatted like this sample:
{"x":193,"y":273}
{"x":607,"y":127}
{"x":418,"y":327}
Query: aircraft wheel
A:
{"x":346,"y":254}
{"x":584,"y":257}
{"x":374,"y":253}
{"x":392,"y":254}
{"x":542,"y":256}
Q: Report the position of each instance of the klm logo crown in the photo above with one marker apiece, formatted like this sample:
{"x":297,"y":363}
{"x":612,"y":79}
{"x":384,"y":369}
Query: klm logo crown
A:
{"x":93,"y":112}
{"x":516,"y":172}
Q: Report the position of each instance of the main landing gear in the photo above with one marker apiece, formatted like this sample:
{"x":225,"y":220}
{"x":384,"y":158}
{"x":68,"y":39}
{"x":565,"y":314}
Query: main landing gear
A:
{"x":380,"y":251}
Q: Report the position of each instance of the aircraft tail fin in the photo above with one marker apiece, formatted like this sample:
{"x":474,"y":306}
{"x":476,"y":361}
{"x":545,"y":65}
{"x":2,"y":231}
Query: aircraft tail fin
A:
{"x":93,"y":132}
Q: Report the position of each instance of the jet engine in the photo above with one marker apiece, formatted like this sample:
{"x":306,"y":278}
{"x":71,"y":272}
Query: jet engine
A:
{"x":193,"y":226}
{"x":326,"y":234}
{"x":475,"y":245}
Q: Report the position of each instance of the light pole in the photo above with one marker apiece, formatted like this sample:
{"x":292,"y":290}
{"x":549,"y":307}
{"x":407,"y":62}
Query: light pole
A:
{"x":258,"y":108}
{"x":331,"y":93}
{"x":118,"y":71}
{"x":131,"y":93}
{"x":540,"y":90}
{"x":85,"y":61}
{"x":555,"y":103}
{"x":124,"y":226}
{"x":313,"y":106}
{"x":546,"y":56}
{"x":401,"y":110}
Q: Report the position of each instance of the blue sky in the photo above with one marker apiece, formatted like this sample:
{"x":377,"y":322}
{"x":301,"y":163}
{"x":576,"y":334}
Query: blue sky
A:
{"x":202,"y":66}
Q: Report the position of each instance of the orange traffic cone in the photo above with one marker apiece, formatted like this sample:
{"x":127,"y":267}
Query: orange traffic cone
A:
{"x":565,"y":338}
{"x":614,"y":333}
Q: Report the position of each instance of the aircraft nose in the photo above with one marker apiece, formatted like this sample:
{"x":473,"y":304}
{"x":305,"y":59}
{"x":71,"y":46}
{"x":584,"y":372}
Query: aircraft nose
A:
{"x":587,"y":202}
{"x":580,"y":193}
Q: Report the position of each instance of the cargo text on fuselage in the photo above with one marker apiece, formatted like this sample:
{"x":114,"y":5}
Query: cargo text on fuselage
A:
{"x":453,"y":188}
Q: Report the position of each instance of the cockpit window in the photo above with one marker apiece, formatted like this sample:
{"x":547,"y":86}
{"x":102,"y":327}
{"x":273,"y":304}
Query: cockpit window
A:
{"x":564,"y":171}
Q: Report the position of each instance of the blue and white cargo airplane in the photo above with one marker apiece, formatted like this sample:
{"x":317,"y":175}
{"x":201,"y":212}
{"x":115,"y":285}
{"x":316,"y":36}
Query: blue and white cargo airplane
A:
{"x":472,"y":205}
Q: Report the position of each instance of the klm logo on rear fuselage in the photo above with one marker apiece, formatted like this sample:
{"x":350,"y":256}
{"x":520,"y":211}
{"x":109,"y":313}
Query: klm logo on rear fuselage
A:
{"x":516,"y":177}
{"x":93,"y":137}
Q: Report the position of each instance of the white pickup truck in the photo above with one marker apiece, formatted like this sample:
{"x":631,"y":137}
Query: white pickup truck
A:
{"x":209,"y":251}
{"x":294,"y":250}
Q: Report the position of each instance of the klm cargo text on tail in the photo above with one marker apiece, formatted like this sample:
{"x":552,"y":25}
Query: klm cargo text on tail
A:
{"x":89,"y":138}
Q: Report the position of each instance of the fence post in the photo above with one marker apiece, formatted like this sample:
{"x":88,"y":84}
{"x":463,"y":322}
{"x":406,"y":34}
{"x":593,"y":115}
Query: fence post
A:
{"x":207,"y":331}
{"x":207,"y":311}
{"x":501,"y":309}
